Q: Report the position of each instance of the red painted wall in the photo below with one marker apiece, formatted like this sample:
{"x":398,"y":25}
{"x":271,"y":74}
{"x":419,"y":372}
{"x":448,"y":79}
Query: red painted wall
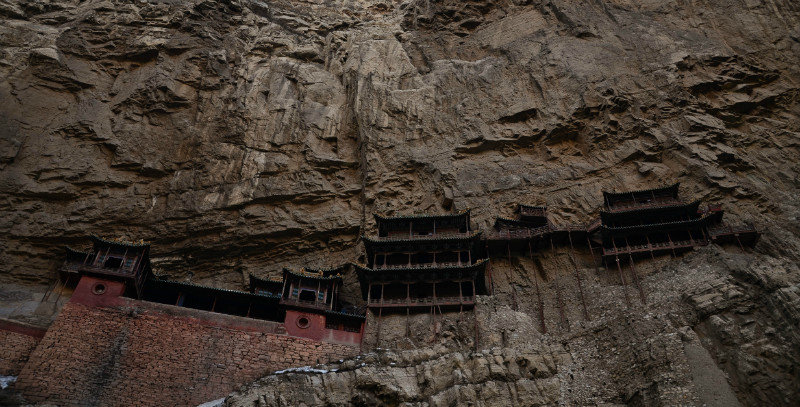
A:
{"x":17,"y":341}
{"x":308,"y":325}
{"x":112,"y":351}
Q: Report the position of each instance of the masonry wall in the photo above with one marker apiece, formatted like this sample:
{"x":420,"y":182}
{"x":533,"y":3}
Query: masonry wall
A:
{"x":113,"y":351}
{"x":17,"y":341}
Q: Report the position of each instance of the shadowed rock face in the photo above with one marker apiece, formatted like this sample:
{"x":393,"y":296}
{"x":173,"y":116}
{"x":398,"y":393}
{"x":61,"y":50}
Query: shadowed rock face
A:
{"x":242,"y":136}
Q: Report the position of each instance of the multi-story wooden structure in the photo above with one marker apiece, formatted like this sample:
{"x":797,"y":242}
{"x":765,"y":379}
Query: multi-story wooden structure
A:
{"x":657,"y":221}
{"x":650,"y":222}
{"x":117,"y":260}
{"x":422,"y":261}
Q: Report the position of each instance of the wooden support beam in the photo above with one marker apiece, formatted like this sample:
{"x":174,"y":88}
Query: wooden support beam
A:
{"x":378,"y":334}
{"x":577,"y":276}
{"x":636,"y":280}
{"x":408,"y":325}
{"x":559,"y":300}
{"x":624,"y":285}
{"x":635,"y":275}
{"x":538,"y":294}
{"x":489,"y":270}
{"x":591,"y":250}
{"x":671,"y":245}
{"x":650,"y":247}
{"x":511,"y":280}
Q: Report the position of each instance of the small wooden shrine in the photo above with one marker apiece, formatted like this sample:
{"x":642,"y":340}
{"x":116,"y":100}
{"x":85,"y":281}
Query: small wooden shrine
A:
{"x":117,"y":260}
{"x":422,"y":261}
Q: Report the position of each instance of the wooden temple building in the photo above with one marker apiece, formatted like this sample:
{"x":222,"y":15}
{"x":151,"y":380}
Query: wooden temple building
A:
{"x":657,"y":221}
{"x":118,"y":260}
{"x":530,"y":230}
{"x":306,"y":301}
{"x":422,"y":262}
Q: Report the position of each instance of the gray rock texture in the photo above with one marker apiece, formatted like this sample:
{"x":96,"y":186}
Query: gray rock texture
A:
{"x":241,"y":136}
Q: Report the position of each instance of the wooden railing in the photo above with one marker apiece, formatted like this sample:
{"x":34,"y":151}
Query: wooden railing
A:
{"x":518,"y":233}
{"x":306,"y":304}
{"x":421,"y":301}
{"x":529,"y":233}
{"x":77,"y":267}
{"x":576,"y":227}
{"x":653,"y":247}
{"x":420,"y":265}
{"x":721,"y":230}
{"x":418,"y":236}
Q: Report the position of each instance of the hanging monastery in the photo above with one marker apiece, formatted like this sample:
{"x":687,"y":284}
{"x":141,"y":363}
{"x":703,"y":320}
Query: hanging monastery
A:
{"x":127,"y":333}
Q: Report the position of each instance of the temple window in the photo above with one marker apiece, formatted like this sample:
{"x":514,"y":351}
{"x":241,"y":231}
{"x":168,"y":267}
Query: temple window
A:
{"x":308,"y":295}
{"x":112,"y":262}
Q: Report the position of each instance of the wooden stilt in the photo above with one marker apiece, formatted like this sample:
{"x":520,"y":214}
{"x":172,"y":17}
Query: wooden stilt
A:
{"x":672,"y":246}
{"x":559,"y":300}
{"x":741,"y":247}
{"x":408,"y":324}
{"x":489,"y":269}
{"x":636,"y":280}
{"x":433,"y":322}
{"x":378,"y":334}
{"x":650,"y":246}
{"x":475,"y":321}
{"x":538,"y":295}
{"x":511,"y":279}
{"x":577,"y":276}
{"x":624,"y":285}
{"x":594,"y":260}
{"x":60,"y":290}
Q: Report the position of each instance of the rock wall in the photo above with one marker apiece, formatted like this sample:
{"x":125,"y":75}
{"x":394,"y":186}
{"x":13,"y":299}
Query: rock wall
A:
{"x":113,"y":351}
{"x":242,"y":136}
{"x":703,"y":336}
{"x":17,"y":341}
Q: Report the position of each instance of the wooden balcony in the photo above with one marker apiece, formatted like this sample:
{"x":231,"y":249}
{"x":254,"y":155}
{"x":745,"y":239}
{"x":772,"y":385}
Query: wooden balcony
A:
{"x":399,"y":236}
{"x":424,"y":266}
{"x":509,"y":234}
{"x":744,"y":234}
{"x":69,"y":267}
{"x":420,"y":302}
{"x":305,"y":304}
{"x":570,"y":227}
{"x":653,"y":247}
{"x":731,"y":230}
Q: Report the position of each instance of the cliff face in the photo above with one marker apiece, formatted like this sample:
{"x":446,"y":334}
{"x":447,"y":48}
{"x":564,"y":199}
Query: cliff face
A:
{"x":242,"y":136}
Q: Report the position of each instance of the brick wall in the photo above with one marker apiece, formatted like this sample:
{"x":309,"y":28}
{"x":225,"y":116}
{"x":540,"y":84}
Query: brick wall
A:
{"x":116,"y":351}
{"x":17,"y":341}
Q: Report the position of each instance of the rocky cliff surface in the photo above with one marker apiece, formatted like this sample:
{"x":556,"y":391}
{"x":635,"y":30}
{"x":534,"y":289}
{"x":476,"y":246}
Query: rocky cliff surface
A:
{"x":242,"y":136}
